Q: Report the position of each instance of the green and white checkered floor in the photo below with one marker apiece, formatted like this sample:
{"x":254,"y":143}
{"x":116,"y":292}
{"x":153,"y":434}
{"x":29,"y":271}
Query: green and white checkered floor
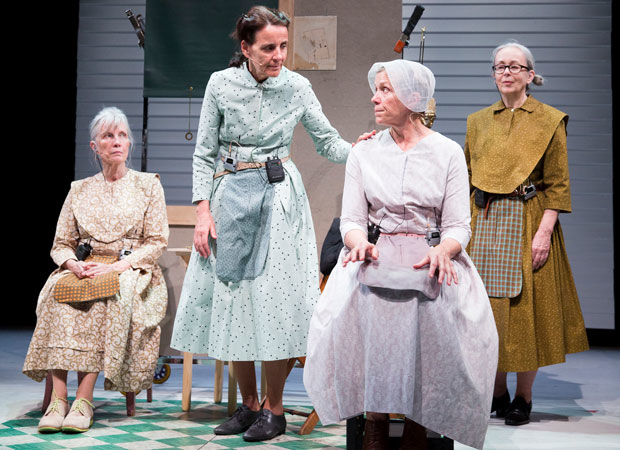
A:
{"x":161,"y":424}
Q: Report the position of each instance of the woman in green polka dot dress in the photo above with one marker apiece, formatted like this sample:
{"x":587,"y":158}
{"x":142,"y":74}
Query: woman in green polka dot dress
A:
{"x":252,"y":281}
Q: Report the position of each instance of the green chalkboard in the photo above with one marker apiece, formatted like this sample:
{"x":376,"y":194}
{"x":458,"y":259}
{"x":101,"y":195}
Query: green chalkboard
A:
{"x":186,"y":41}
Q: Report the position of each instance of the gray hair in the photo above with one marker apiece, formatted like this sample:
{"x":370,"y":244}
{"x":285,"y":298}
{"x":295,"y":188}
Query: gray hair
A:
{"x":529,"y":58}
{"x":109,"y":117}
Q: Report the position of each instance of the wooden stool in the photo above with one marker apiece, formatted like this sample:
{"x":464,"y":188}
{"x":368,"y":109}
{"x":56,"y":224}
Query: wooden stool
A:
{"x":186,"y":392}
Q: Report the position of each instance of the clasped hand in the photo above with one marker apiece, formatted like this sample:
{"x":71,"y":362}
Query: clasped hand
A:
{"x":83,"y":269}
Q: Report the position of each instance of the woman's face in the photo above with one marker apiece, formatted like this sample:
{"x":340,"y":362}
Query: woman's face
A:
{"x":388,"y":108}
{"x":112,"y":145}
{"x":508,"y":83}
{"x":268,"y":52}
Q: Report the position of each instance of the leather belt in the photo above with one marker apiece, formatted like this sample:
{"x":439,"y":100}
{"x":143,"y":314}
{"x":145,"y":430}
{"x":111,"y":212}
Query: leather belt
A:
{"x":518,"y":192}
{"x":404,"y":234}
{"x":242,"y":165}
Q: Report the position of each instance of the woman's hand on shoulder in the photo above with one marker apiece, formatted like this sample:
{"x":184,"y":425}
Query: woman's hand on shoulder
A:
{"x":439,"y":260}
{"x":365,"y":136}
{"x":205,"y":227}
{"x":362,"y":251}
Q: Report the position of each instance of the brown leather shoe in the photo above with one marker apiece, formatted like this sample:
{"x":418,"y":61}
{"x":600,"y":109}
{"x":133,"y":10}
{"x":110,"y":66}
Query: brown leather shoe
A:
{"x":414,"y":437}
{"x":376,"y":433}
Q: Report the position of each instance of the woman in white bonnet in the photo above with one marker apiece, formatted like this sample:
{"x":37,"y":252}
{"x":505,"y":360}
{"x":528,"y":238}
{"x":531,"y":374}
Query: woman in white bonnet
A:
{"x":403,"y":326}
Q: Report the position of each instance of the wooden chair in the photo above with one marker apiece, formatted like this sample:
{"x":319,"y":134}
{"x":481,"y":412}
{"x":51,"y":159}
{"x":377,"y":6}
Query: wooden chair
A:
{"x":312,"y":418}
{"x":184,"y":217}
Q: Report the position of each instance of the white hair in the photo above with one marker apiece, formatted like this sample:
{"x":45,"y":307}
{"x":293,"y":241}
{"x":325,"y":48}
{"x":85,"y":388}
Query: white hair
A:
{"x":529,"y":58}
{"x":109,"y":117}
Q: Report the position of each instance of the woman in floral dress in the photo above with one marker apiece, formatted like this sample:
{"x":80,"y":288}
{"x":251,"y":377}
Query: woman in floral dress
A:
{"x":118,"y":212}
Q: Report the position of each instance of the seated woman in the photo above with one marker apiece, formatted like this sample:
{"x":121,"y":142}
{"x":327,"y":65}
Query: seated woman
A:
{"x":100,"y":310}
{"x":404,"y":325}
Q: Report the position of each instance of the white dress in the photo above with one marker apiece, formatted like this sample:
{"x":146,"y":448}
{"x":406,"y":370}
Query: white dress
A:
{"x":399,"y":351}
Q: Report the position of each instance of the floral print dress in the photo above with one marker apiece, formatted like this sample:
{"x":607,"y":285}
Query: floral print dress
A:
{"x":118,"y":335}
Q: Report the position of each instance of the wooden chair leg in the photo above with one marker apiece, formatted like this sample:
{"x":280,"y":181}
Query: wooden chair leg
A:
{"x":232,"y":389}
{"x":312,"y":418}
{"x":149,"y":395}
{"x":47,"y":396}
{"x":310,"y":423}
{"x":130,"y":399}
{"x":186,"y":393}
{"x":218,"y":381}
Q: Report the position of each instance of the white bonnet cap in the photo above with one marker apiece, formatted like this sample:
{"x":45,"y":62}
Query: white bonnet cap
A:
{"x":413,"y":83}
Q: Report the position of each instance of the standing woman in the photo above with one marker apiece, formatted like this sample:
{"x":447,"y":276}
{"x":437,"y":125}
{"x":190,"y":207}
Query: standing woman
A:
{"x":518,"y":167}
{"x":252,"y":280}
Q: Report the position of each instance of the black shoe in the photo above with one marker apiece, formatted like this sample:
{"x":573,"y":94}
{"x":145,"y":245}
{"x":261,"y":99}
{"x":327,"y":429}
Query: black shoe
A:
{"x":266,"y":427}
{"x":240,"y":421}
{"x":519,"y":412}
{"x":501,"y":404}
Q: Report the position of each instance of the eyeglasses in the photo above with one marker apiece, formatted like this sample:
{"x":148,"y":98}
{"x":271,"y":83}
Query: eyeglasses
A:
{"x":514,"y":68}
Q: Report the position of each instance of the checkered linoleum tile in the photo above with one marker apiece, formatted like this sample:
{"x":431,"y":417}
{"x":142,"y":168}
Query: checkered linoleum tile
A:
{"x":161,"y":424}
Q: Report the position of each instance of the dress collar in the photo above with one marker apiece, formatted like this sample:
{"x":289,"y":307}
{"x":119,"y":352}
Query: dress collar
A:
{"x":99,"y":177}
{"x":530,"y":105}
{"x":269,"y":83}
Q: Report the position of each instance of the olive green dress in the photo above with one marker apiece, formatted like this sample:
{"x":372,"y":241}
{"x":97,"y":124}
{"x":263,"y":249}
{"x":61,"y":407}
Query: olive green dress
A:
{"x":504,"y":148}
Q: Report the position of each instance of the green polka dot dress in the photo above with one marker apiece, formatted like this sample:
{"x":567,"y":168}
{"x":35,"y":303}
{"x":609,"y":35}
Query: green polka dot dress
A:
{"x":266,"y":318}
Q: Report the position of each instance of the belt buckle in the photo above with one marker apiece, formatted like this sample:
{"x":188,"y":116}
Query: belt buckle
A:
{"x":529,"y":192}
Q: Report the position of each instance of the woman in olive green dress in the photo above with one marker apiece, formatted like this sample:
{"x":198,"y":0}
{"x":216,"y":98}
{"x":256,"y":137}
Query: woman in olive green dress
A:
{"x":517,"y":160}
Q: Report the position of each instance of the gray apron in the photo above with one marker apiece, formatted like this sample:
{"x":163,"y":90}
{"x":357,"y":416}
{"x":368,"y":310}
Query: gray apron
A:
{"x":394,"y":268}
{"x":243,"y":223}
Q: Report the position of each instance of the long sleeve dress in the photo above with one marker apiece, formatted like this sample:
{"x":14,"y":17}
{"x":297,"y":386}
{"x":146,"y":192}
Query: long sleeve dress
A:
{"x":120,"y":334}
{"x":256,"y":306}
{"x":394,"y":349}
{"x":537,"y":313}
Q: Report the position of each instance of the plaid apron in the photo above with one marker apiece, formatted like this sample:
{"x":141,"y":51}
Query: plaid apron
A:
{"x":496,"y":247}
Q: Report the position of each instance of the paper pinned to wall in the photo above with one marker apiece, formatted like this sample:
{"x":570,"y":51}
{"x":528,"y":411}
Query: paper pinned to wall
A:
{"x":315,"y":43}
